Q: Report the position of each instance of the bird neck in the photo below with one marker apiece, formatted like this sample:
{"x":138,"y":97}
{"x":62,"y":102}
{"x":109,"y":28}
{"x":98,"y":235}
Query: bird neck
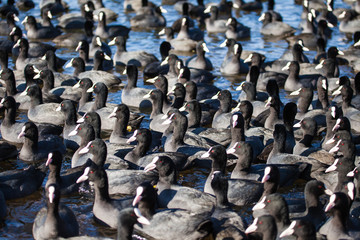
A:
{"x":31,"y":145}
{"x":157,"y":107}
{"x":70,"y":117}
{"x":102,"y":191}
{"x":10,"y":86}
{"x":48,"y":85}
{"x":178,"y":102}
{"x":35,"y":101}
{"x":238,"y":134}
{"x":85,"y":97}
{"x":100,"y":101}
{"x":141,"y":148}
{"x":10,"y":115}
{"x":307,"y":140}
{"x":120,"y":126}
{"x":98,"y":64}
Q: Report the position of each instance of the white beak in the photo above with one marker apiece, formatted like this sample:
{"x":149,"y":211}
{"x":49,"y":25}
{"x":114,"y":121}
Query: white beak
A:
{"x":22,"y":133}
{"x":16,"y":18}
{"x":112,"y":42}
{"x":248,"y":59}
{"x":289,"y":231}
{"x":107,"y":57}
{"x":78,"y":46}
{"x":162,"y":32}
{"x":232,"y":149}
{"x":320,"y":65}
{"x":49,"y":14}
{"x":223,"y":44}
{"x":253,"y":227}
{"x":113,"y":114}
{"x":25,"y":20}
{"x":91,"y":89}
{"x":77,"y":85}
{"x":207,"y":10}
{"x":85,"y":176}
{"x":17,"y":44}
{"x":37,"y":76}
{"x":133,"y":137}
{"x":98,"y":41}
{"x":342,"y":15}
{"x":163,"y":10}
{"x":205,"y":47}
{"x":260,"y":205}
{"x":75,"y":131}
{"x":296,"y":93}
{"x":287,"y":66}
{"x":24,"y":93}
{"x":332,"y":167}
{"x":166,"y":61}
{"x":69,"y":64}
{"x":86,"y":148}
{"x":331,"y":203}
{"x":216,"y":96}
{"x":262,"y":17}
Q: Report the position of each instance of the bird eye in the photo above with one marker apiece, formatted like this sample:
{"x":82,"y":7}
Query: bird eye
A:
{"x":91,"y":171}
{"x":79,"y":128}
{"x":92,"y":146}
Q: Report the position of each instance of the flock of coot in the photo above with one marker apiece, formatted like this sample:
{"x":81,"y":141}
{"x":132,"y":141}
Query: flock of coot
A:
{"x":92,"y":152}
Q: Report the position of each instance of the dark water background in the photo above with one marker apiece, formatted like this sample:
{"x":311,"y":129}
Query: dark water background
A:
{"x":21,"y":212}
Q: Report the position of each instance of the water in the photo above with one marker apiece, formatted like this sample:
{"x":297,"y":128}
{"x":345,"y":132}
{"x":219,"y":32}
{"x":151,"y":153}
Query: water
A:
{"x":21,"y":212}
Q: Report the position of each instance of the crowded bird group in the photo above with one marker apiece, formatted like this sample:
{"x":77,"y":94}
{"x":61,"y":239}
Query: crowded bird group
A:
{"x":184,"y":156}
